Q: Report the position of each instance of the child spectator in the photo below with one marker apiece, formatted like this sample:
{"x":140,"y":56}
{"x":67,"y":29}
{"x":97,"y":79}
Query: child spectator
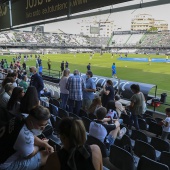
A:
{"x":166,"y":125}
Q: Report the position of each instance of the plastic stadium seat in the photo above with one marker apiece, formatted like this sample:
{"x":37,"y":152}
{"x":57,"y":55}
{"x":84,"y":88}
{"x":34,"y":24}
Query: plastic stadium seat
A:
{"x":136,"y":134}
{"x":83,"y":113}
{"x":165,"y":158}
{"x":126,"y":119}
{"x":158,"y":120}
{"x":62,"y":113}
{"x":146,"y":115}
{"x":160,"y":144}
{"x":149,"y":120}
{"x":142,"y":148}
{"x":92,"y":140}
{"x":155,"y":128}
{"x":56,"y":94}
{"x":86,"y":122}
{"x":148,"y":164}
{"x":121,"y":158}
{"x":142,"y":124}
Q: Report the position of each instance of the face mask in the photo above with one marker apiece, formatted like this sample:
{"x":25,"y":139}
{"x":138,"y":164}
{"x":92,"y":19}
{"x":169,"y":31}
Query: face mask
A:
{"x":36,"y":132}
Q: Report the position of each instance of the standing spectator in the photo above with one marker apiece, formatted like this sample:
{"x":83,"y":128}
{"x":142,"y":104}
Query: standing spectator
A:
{"x":13,"y":105}
{"x":74,"y":153}
{"x":136,"y":106}
{"x":36,"y":81}
{"x":2,"y":63}
{"x":24,"y":66}
{"x":21,"y":148}
{"x":49,"y":64}
{"x":166,"y":125}
{"x":62,"y":66}
{"x":89,"y":66}
{"x":66,"y":64}
{"x":108,"y":93}
{"x":5,"y":65}
{"x":37,"y":65}
{"x":114,"y":70}
{"x":29,"y":100}
{"x":75,"y":86}
{"x":63,"y":91}
{"x":23,"y":83}
{"x":88,"y":93}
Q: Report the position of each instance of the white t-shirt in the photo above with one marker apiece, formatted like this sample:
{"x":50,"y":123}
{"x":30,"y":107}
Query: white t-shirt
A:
{"x":98,"y":131}
{"x":24,"y":146}
{"x":167,"y":129}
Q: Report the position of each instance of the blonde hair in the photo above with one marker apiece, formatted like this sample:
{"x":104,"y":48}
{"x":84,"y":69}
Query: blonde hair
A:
{"x":74,"y":130}
{"x":66,"y":73}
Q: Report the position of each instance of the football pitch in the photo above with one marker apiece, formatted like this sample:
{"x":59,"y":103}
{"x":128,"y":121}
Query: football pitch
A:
{"x":155,"y":73}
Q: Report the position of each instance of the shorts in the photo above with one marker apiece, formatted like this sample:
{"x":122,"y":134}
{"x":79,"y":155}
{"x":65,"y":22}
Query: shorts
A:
{"x":26,"y":164}
{"x":110,"y":139}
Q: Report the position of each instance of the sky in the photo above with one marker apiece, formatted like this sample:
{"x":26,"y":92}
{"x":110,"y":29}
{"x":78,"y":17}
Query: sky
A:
{"x":121,"y":19}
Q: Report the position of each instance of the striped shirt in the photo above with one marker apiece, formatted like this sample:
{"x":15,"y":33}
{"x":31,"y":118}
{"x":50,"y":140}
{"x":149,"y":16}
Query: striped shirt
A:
{"x":75,"y":86}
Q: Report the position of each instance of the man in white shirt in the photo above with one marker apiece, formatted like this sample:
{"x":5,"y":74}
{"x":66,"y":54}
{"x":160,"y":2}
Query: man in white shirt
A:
{"x":19,"y":144}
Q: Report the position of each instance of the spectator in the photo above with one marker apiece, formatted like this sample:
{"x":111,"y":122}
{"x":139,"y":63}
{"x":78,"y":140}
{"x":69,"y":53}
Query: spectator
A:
{"x":166,"y":125}
{"x":108,"y":93}
{"x":96,"y":103}
{"x":103,"y":131}
{"x":88,"y":93}
{"x":75,"y":86}
{"x":29,"y":100}
{"x":36,"y":81}
{"x":63,"y":91}
{"x":6,"y":80}
{"x":13,"y":105}
{"x":136,"y":106}
{"x":23,"y":83}
{"x":15,"y":76}
{"x":5,"y":96}
{"x":74,"y":154}
{"x":11,"y":65}
{"x":119,"y":107}
{"x":24,"y":150}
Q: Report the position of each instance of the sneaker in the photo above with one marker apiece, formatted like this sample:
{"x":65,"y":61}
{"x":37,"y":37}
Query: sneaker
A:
{"x":122,"y":132}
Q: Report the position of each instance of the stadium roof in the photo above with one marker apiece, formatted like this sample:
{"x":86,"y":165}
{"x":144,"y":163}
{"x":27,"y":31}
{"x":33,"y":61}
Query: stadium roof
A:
{"x":16,"y":22}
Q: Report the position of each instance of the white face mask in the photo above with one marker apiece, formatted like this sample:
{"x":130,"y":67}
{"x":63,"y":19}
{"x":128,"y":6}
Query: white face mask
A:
{"x":36,"y":132}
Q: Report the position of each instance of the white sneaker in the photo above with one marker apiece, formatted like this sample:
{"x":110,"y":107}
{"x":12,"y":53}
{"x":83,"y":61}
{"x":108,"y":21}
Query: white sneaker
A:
{"x":122,"y":132}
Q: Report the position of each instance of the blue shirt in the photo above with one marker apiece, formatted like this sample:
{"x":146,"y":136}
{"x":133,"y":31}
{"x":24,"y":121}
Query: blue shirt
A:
{"x":113,"y":68}
{"x":75,"y":86}
{"x":90,"y":84}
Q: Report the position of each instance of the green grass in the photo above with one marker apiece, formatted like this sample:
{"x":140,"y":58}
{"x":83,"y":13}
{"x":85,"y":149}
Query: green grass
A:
{"x":156,"y":73}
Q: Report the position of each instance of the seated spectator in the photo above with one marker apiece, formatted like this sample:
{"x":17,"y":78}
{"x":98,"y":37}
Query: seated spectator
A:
{"x":13,"y":105}
{"x":103,"y":131}
{"x":6,"y":80}
{"x":23,"y":83}
{"x":74,"y":154}
{"x":21,"y":148}
{"x":5,"y":96}
{"x":45,"y":93}
{"x":166,"y":125}
{"x":119,"y":107}
{"x":29,"y":100}
{"x":96,"y":103}
{"x":15,"y":76}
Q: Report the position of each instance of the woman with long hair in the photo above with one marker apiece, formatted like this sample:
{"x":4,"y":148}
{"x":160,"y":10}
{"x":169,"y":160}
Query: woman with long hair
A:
{"x":13,"y":105}
{"x":29,"y":100}
{"x":74,"y":155}
{"x":63,"y":91}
